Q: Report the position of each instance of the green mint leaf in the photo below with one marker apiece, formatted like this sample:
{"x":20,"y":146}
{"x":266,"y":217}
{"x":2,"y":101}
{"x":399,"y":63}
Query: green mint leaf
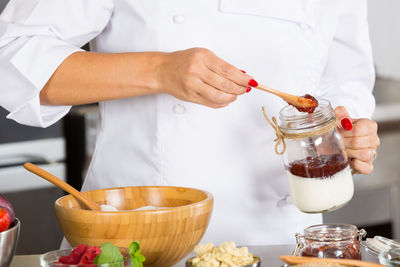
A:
{"x":137,"y":259}
{"x":136,"y":263}
{"x":133,"y":247}
{"x":109,"y":254}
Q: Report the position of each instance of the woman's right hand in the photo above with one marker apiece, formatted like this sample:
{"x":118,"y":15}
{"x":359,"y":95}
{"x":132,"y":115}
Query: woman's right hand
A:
{"x":197,"y":75}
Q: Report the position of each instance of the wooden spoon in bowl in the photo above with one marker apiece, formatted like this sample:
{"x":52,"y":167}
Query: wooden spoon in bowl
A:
{"x":294,"y":100}
{"x":63,"y":185}
{"x":347,"y":262}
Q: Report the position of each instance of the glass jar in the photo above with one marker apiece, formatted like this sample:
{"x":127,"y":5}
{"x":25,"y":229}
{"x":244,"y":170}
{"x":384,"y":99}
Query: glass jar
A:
{"x":330,"y":241}
{"x":318,"y":171}
{"x":50,"y":259}
{"x":390,"y":258}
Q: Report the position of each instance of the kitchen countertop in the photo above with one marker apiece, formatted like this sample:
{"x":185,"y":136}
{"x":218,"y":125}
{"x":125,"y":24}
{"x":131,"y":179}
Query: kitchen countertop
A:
{"x":269,"y":255}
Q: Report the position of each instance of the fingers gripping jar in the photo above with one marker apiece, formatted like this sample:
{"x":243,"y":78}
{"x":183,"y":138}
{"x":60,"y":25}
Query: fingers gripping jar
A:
{"x":317,"y":168}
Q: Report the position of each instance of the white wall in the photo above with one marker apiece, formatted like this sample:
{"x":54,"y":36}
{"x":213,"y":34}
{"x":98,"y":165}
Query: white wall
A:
{"x":384,"y":20}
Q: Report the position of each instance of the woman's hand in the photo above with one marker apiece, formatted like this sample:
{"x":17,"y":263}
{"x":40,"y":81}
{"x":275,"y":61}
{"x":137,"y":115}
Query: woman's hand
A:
{"x":195,"y":75}
{"x":361,"y":141}
{"x":198,"y":75}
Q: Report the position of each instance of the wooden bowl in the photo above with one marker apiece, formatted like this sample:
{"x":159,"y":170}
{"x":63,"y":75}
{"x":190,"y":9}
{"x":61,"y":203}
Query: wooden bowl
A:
{"x":166,"y":236}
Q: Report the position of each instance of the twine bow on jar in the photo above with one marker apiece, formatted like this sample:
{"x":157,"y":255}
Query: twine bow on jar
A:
{"x":280,"y":139}
{"x":282,"y":135}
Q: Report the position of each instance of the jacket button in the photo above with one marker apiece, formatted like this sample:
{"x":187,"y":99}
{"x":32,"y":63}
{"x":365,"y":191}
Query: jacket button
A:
{"x":179,"y":109}
{"x":179,"y":19}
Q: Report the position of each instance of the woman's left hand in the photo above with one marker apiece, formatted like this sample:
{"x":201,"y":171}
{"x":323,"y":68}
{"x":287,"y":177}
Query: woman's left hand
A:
{"x":360,"y":141}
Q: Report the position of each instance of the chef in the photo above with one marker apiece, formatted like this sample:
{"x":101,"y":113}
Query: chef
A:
{"x":175,"y":107}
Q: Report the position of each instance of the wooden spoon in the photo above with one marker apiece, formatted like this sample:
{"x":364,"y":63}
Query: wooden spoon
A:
{"x":299,"y":260}
{"x":63,"y":185}
{"x":295,"y":100}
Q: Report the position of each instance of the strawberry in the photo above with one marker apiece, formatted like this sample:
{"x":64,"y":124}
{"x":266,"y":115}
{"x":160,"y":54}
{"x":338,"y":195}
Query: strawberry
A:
{"x":4,"y":219}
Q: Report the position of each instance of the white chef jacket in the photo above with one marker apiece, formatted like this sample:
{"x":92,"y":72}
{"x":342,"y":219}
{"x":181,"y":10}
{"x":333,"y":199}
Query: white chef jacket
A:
{"x":319,"y":47}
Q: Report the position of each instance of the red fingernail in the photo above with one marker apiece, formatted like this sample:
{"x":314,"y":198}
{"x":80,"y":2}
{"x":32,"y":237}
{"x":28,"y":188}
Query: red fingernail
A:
{"x":346,"y":124}
{"x":243,"y":71}
{"x":253,"y":83}
{"x":248,"y":89}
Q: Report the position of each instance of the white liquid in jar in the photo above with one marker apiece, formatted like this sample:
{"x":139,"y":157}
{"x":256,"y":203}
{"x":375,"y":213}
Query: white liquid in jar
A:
{"x":314,"y":195}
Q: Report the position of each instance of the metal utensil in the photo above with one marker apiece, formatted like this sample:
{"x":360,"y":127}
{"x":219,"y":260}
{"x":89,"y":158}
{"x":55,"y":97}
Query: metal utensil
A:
{"x":8,"y":243}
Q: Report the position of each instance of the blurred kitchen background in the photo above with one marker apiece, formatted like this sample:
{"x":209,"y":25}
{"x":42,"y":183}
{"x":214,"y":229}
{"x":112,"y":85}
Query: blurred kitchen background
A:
{"x":65,"y":148}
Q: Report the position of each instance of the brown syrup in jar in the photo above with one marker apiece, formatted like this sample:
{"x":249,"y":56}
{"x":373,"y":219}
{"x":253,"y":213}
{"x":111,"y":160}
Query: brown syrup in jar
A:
{"x":318,"y":167}
{"x":347,"y":250}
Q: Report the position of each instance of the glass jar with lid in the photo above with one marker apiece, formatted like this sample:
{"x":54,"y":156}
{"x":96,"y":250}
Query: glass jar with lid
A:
{"x":319,"y":175}
{"x":330,"y":241}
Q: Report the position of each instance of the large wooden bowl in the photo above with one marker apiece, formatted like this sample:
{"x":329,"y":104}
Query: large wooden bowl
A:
{"x":166,"y":236}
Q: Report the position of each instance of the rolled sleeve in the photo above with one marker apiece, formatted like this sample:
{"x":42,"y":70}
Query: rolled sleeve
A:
{"x":49,"y":52}
{"x":33,"y":45}
{"x":32,"y":113}
{"x":39,"y":58}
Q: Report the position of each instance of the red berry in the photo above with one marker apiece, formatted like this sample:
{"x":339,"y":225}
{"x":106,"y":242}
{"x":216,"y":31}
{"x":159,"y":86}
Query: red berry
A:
{"x":79,"y":250}
{"x":67,"y":260}
{"x":75,"y":255}
{"x":90,"y":254}
{"x":4,"y":219}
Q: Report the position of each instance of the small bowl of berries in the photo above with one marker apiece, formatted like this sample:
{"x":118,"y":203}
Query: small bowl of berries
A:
{"x":107,"y":255}
{"x":9,"y":232}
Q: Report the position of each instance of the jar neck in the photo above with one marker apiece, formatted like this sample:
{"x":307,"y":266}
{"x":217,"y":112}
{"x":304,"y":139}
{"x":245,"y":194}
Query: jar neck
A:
{"x":293,"y":121}
{"x":331,"y":232}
